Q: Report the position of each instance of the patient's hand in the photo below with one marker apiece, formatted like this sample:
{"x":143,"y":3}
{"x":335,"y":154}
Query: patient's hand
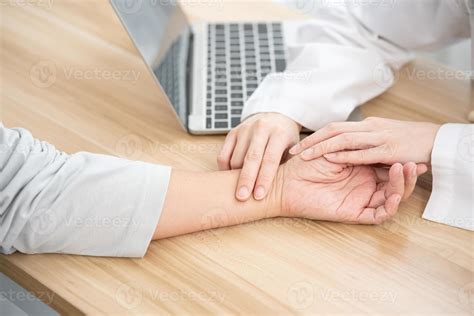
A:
{"x":322,"y":190}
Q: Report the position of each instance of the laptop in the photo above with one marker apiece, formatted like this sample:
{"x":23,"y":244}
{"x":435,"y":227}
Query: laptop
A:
{"x":206,"y":70}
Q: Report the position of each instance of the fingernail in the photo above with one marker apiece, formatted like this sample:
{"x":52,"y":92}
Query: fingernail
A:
{"x":398,"y":199}
{"x":308,"y":152}
{"x":295,"y":149}
{"x":243,"y":192}
{"x":260,"y":192}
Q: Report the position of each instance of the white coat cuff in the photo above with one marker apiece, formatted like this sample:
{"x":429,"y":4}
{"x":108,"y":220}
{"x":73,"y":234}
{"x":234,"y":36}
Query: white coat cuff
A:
{"x":451,"y":200}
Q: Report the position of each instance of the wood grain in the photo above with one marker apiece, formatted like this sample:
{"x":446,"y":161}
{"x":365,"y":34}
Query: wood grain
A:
{"x":282,"y":266}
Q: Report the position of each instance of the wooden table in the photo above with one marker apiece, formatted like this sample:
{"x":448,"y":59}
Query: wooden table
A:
{"x":56,"y":63}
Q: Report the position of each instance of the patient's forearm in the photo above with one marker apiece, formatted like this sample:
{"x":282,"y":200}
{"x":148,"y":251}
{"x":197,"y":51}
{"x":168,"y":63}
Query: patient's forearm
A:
{"x":198,"y":201}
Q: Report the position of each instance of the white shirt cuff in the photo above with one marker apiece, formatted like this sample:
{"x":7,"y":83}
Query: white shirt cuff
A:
{"x":451,"y":200}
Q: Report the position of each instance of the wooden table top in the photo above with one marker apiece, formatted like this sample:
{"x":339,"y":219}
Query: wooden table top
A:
{"x":57,"y":80}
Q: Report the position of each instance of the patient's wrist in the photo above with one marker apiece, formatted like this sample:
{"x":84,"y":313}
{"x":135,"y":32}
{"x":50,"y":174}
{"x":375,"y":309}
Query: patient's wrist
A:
{"x":273,"y":200}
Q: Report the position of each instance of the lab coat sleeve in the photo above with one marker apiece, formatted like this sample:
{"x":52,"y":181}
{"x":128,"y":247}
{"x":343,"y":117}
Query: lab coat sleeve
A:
{"x":350,"y":54}
{"x":86,"y":204}
{"x":451,"y":201}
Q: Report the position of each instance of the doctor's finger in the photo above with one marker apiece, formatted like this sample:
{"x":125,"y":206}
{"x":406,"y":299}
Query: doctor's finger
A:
{"x":223,"y":159}
{"x":359,"y":157}
{"x":240,"y":150}
{"x":341,"y":142}
{"x":328,"y":131}
{"x":252,"y":161}
{"x":271,"y":161}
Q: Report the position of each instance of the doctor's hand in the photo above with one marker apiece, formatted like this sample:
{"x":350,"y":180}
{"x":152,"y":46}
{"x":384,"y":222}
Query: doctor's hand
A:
{"x":372,"y":141}
{"x":321,"y":190}
{"x":258,"y":146}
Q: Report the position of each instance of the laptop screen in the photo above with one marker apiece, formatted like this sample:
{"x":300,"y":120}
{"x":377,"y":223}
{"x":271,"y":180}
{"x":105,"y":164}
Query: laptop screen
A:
{"x":160,"y":32}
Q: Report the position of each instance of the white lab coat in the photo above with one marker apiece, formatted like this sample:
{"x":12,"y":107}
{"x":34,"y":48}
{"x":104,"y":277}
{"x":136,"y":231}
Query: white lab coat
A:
{"x":349,"y":54}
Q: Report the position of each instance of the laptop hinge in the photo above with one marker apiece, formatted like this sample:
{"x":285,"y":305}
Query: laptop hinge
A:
{"x":189,"y":73}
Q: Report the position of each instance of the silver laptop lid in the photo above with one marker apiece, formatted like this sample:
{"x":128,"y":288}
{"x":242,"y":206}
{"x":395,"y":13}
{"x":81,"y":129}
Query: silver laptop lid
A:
{"x":161,"y":33}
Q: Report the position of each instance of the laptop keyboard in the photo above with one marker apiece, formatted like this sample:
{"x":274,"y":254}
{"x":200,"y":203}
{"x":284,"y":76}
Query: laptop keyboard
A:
{"x":240,"y":56}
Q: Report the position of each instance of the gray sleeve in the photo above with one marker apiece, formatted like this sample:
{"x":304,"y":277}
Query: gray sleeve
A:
{"x":87,"y":204}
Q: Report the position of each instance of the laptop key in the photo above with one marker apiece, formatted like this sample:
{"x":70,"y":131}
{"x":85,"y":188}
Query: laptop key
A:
{"x":236,"y":111}
{"x":221,"y":125}
{"x":223,"y":100}
{"x":220,"y":108}
{"x":221,"y":116}
{"x":235,"y":121}
{"x":280,"y":65}
{"x":208,"y":122}
{"x":237,"y":103}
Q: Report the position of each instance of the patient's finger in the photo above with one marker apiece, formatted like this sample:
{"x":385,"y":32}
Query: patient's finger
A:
{"x":358,"y":157}
{"x":382,"y":174}
{"x":410,"y":174}
{"x":378,"y":198}
{"x":328,"y":131}
{"x":396,"y":184}
{"x":367,"y":217}
{"x":253,"y":160}
{"x":223,"y":159}
{"x":341,"y":142}
{"x":271,"y":161}
{"x":421,"y":169}
{"x":389,"y":209}
{"x":371,"y":215}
